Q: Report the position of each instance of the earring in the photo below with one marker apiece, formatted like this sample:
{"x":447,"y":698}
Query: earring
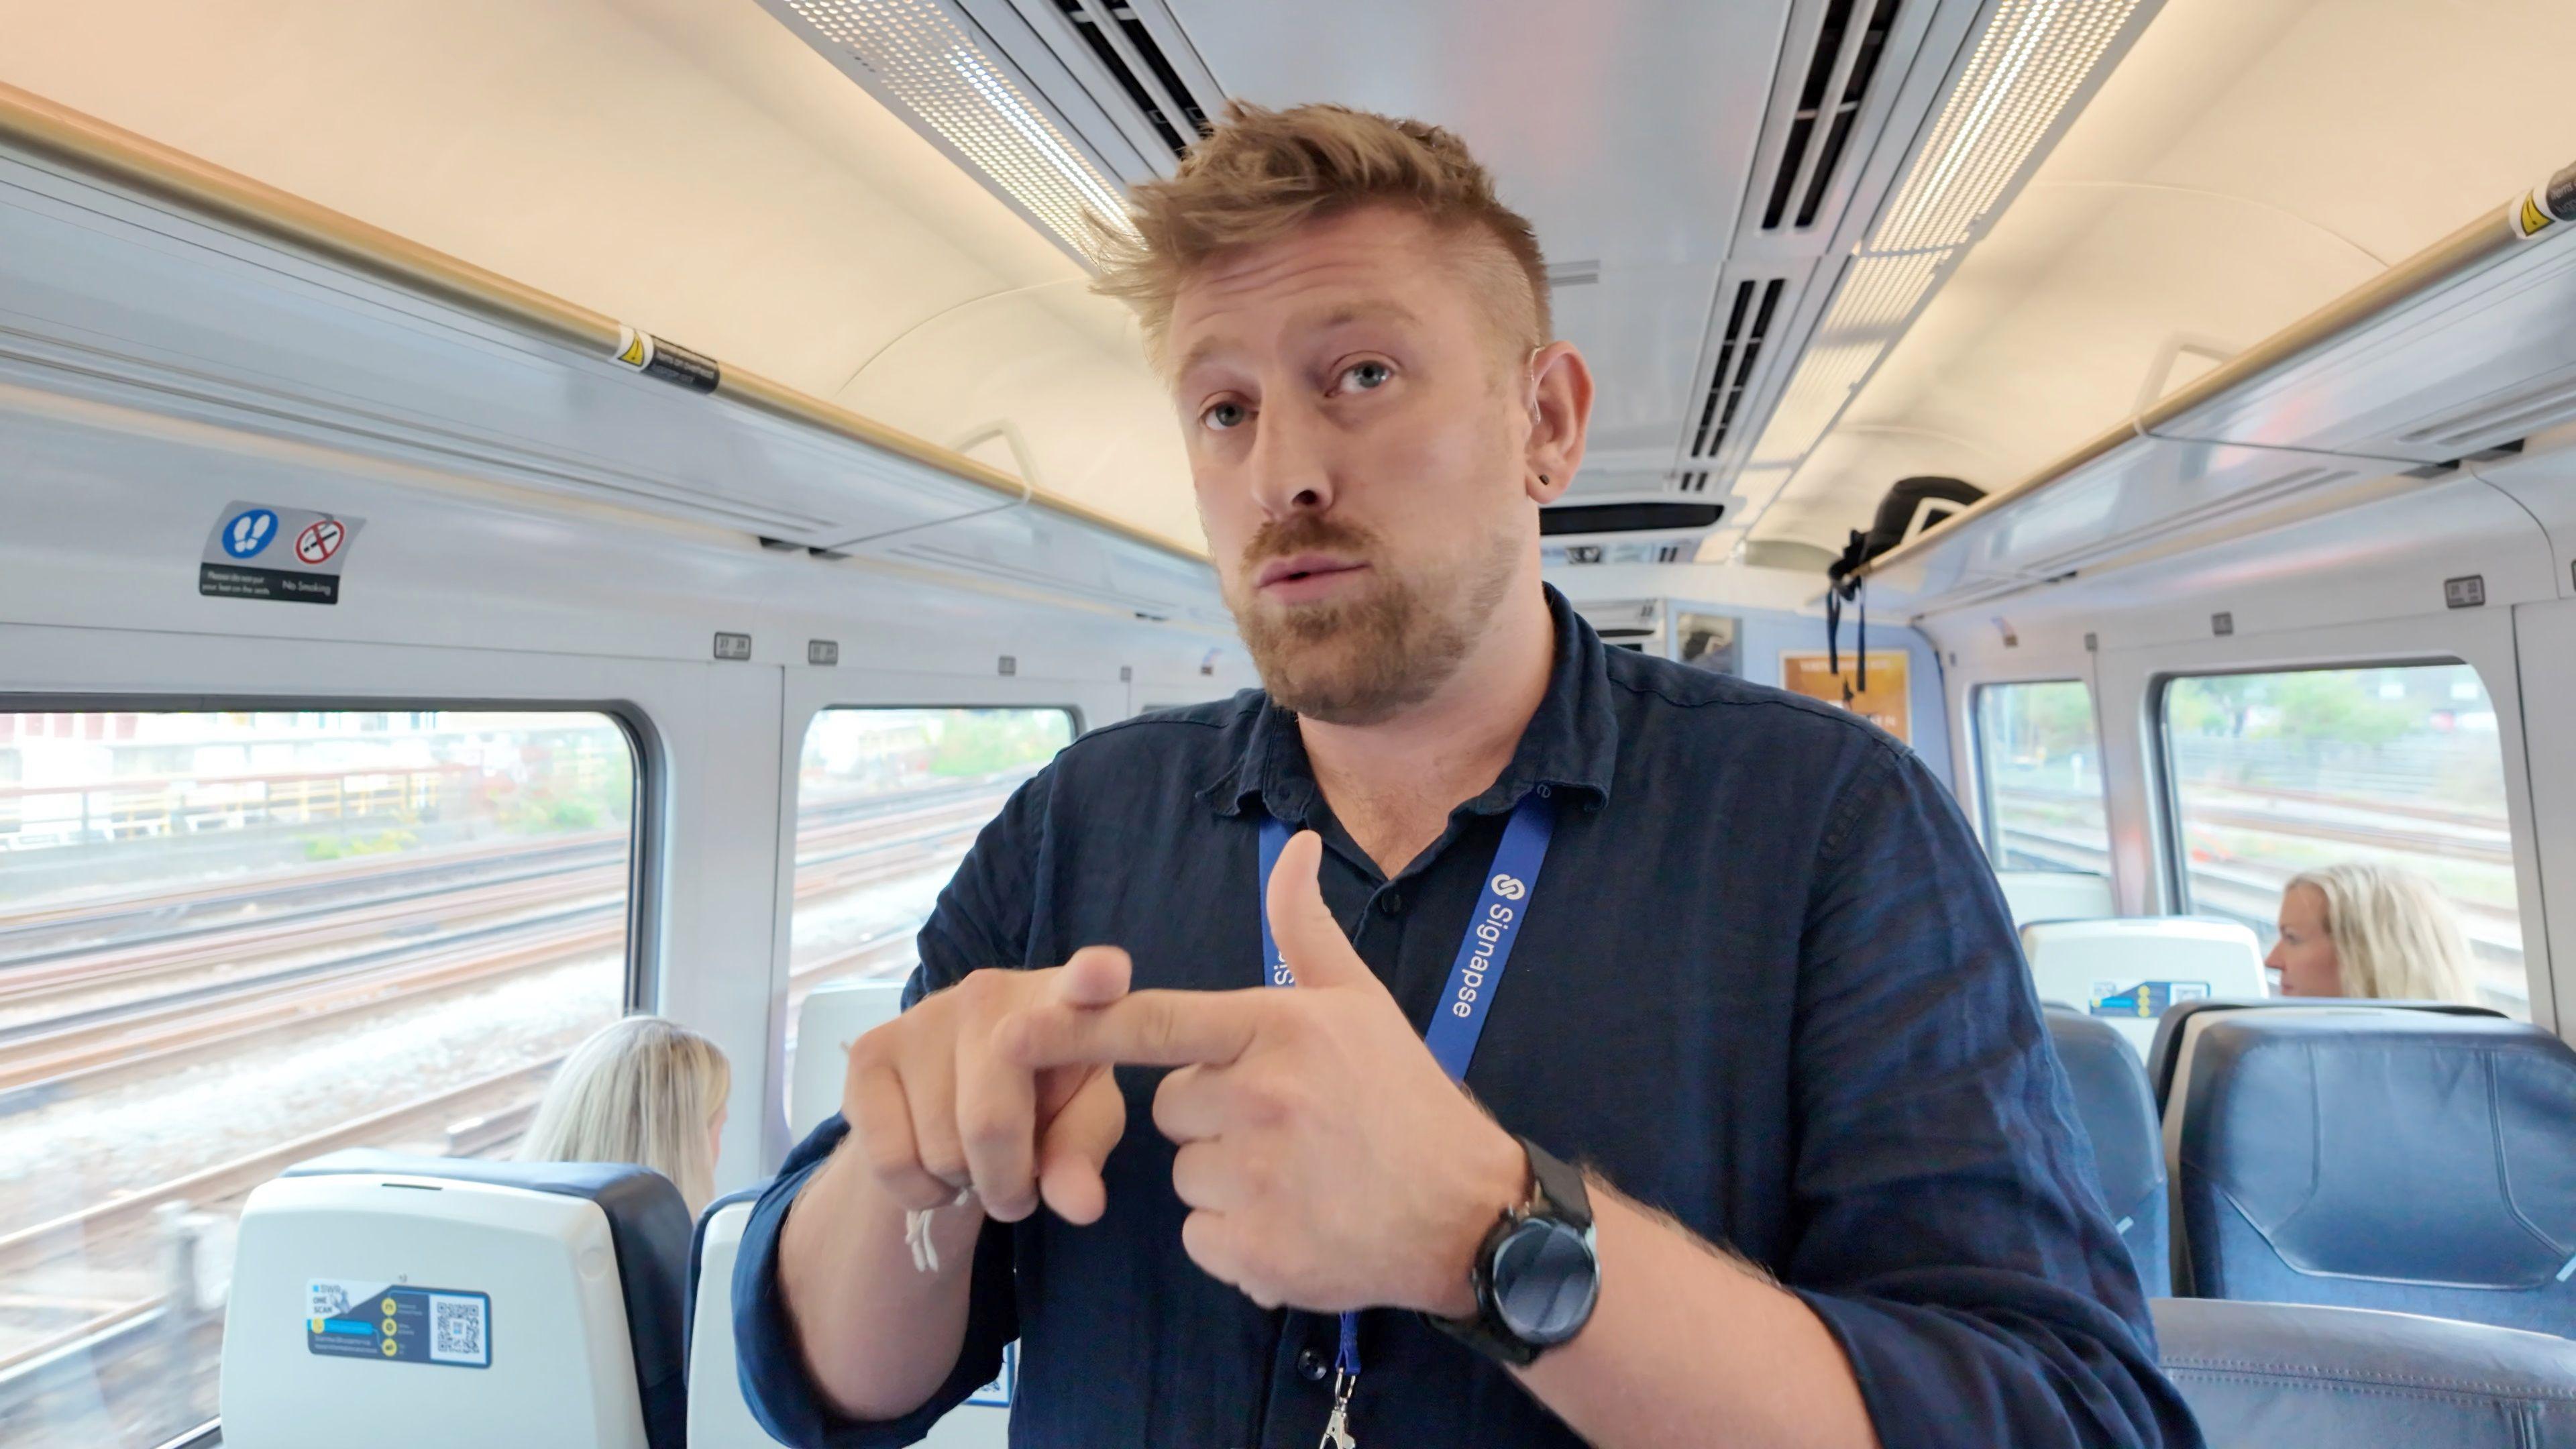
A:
{"x":1542,"y":480}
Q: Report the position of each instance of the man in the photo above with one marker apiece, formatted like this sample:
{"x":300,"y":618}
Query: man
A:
{"x":1731,"y":951}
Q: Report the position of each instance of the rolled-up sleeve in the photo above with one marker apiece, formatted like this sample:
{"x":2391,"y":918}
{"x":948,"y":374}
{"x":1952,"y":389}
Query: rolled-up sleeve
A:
{"x":981,"y":920}
{"x":1950,"y":1234}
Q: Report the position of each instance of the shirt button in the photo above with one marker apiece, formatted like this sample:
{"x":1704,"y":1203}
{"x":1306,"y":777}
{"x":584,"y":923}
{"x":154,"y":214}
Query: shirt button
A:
{"x":1390,"y":904}
{"x":1313,"y":1365}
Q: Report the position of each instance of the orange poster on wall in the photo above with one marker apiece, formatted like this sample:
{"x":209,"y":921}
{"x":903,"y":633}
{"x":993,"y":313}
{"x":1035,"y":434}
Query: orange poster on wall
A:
{"x":1884,"y":703}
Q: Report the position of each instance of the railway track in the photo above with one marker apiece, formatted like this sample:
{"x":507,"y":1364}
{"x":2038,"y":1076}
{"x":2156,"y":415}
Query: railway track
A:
{"x":200,"y":950}
{"x":32,"y":938}
{"x":54,"y":1057}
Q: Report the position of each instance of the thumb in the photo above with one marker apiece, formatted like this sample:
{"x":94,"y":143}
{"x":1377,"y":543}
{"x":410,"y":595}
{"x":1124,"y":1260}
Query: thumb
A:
{"x":1076,"y":1142}
{"x":1318,"y":953}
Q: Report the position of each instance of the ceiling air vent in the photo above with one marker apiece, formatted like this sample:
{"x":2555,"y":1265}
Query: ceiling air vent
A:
{"x":1839,"y":68}
{"x":1692,"y":482}
{"x":1750,"y":312}
{"x":1127,"y":50}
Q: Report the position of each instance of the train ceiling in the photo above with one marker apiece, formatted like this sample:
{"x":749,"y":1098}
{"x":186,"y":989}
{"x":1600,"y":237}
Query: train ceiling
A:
{"x":1743,"y":204}
{"x":1811,"y":245}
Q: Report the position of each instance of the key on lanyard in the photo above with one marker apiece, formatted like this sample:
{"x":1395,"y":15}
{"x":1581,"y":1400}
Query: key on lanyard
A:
{"x":1457,"y":1022}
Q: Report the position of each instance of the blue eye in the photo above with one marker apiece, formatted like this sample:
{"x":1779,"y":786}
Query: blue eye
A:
{"x":1368,"y":376}
{"x":1222,"y":416}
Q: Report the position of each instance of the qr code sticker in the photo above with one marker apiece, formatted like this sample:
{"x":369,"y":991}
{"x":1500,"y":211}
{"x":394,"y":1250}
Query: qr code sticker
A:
{"x":456,"y":1330}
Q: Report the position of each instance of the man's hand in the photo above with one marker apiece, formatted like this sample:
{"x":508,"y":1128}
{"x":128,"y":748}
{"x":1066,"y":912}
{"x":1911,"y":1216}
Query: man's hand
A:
{"x":1328,"y":1161}
{"x":933,"y":1108}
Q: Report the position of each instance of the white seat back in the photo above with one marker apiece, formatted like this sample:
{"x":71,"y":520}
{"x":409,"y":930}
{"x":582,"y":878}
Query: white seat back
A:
{"x":2128,"y":970}
{"x":2055,"y":895}
{"x":426,"y":1313}
{"x":832,"y":1017}
{"x":718,"y":1416}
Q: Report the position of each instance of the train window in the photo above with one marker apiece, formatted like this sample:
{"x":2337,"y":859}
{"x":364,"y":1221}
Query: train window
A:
{"x":2041,"y":761}
{"x":887,"y":801}
{"x":230,"y":941}
{"x":2273,"y":774}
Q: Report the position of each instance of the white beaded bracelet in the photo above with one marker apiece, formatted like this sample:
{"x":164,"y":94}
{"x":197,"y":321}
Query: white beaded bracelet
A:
{"x":916,"y":1233}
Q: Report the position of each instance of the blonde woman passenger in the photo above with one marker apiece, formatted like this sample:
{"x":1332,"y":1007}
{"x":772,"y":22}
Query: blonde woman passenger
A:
{"x":644,"y":1090}
{"x":2364,"y":930}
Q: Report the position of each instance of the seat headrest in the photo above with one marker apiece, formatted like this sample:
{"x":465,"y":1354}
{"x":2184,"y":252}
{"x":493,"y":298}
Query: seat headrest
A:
{"x":2133,"y":969}
{"x":832,"y":1017}
{"x":2055,"y":895}
{"x":649,"y":1231}
{"x":2166,"y":1048}
{"x":2263,"y":1375}
{"x":2402,"y":1147}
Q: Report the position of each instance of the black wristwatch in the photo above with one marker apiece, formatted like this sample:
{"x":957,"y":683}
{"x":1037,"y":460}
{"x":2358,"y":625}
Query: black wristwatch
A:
{"x":1536,"y":1276}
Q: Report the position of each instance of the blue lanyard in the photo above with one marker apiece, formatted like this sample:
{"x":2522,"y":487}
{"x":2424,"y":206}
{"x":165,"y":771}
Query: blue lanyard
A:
{"x":1477,"y":973}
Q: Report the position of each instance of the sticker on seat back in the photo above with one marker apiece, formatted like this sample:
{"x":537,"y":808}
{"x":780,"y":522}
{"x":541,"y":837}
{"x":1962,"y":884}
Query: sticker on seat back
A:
{"x":2144,"y":998}
{"x":347,"y":1318}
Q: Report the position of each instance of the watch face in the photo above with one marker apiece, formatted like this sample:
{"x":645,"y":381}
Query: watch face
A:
{"x":1544,"y":1281}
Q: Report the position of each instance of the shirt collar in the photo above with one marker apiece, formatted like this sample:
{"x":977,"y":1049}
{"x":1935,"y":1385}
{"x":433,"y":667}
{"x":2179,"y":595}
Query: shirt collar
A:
{"x":1571,"y":742}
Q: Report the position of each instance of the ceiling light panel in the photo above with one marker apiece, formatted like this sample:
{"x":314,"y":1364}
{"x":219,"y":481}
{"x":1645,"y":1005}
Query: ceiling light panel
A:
{"x":1878,"y":298}
{"x":916,"y":54}
{"x":2011,"y":96}
{"x":2034,"y":57}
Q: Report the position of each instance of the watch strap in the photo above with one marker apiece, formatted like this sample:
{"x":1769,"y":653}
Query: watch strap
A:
{"x":1557,"y":1193}
{"x":1556,"y":1189}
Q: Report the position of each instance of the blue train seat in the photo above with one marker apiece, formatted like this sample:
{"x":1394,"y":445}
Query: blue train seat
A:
{"x":2376,"y":1157}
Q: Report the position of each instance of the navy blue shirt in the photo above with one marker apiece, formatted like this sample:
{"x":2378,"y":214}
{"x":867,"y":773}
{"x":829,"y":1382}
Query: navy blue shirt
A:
{"x":1766,"y":984}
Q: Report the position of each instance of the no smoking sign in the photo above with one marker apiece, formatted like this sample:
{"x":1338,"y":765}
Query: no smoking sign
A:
{"x":319,"y":541}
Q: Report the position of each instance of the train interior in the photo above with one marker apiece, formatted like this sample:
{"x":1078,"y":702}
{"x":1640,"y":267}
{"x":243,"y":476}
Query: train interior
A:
{"x":515,"y":514}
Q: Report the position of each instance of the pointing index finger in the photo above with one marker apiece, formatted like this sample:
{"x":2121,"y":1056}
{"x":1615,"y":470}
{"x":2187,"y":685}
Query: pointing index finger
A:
{"x":1145,"y":1028}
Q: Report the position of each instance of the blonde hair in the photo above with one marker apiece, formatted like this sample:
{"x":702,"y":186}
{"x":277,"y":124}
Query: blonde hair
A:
{"x":1263,"y":174}
{"x":2394,"y":935}
{"x":643,"y":1090}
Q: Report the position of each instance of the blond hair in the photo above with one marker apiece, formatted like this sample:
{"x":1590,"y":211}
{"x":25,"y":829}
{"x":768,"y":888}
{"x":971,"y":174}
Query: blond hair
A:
{"x":643,"y":1090}
{"x":2394,"y":935}
{"x":1264,"y":174}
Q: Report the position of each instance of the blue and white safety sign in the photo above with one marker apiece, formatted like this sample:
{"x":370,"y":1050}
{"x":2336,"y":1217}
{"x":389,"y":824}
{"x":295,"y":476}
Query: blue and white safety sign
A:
{"x":290,"y":554}
{"x":247,"y":533}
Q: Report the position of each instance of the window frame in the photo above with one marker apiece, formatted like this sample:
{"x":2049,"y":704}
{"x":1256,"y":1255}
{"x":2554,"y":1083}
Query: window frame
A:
{"x":2172,"y":863}
{"x":1988,"y":820}
{"x":638,"y":992}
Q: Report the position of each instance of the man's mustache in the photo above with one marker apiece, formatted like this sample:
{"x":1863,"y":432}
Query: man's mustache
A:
{"x":1305,"y":533}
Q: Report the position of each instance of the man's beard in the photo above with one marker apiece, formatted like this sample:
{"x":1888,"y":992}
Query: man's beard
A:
{"x":1362,"y":660}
